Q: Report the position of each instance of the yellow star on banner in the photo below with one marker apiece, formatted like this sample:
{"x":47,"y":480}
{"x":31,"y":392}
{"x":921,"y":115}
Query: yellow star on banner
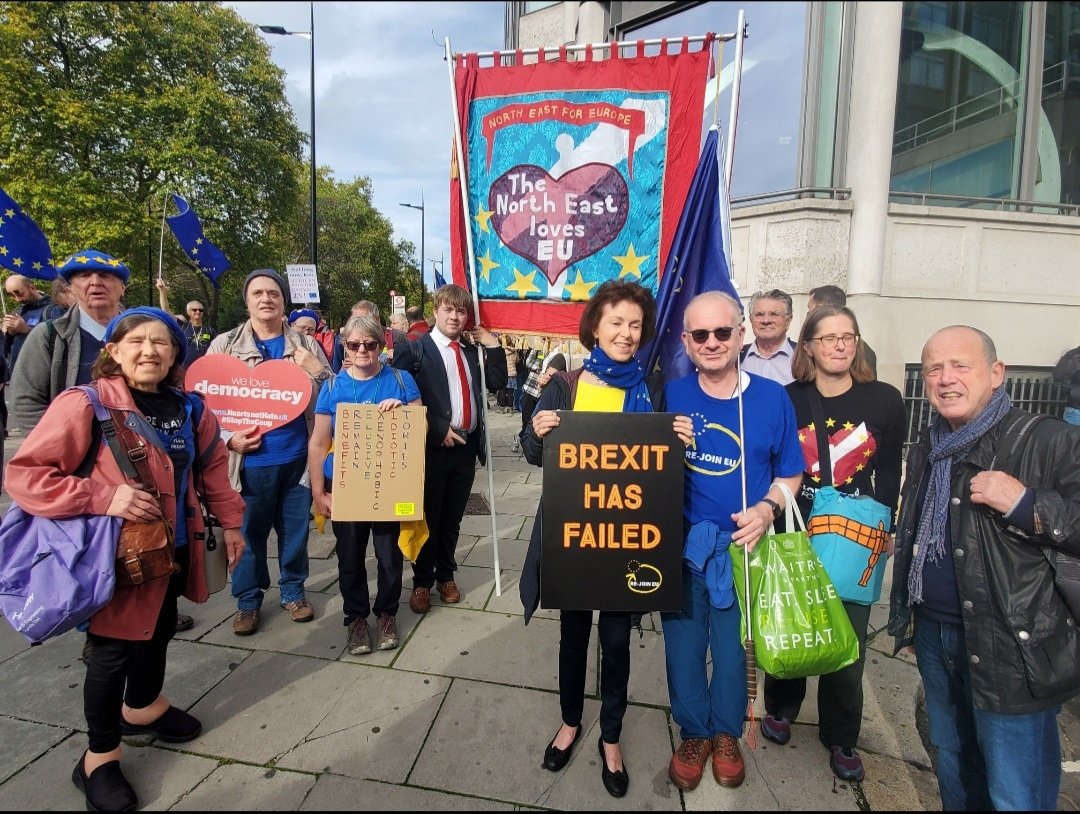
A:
{"x":198,"y":241}
{"x":630,"y":263}
{"x":194,"y":249}
{"x":867,"y":453}
{"x":37,"y":266}
{"x":82,"y":258}
{"x":9,"y":213}
{"x":487,"y":264}
{"x":830,"y":422}
{"x":112,"y":261}
{"x":482,"y":217}
{"x":17,"y":262}
{"x":811,"y":426}
{"x":523,"y":284}
{"x":3,"y":251}
{"x":860,"y":468}
{"x":816,"y":478}
{"x":848,"y":425}
{"x":802,"y":437}
{"x":580,"y":290}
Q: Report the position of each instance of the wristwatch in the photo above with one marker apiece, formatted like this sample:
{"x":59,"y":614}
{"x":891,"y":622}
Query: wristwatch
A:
{"x":776,"y":510}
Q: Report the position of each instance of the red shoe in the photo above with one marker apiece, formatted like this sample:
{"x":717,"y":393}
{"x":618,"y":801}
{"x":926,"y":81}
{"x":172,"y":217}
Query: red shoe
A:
{"x":728,"y":768}
{"x":688,"y":763}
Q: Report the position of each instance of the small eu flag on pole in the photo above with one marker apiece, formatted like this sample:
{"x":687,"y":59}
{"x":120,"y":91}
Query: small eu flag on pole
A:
{"x":697,"y":263}
{"x":189,"y":232}
{"x":440,"y":281}
{"x":24,"y":249}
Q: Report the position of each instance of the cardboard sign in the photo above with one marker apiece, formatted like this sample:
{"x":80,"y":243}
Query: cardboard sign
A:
{"x":303,"y":282}
{"x":379,"y":463}
{"x":612,"y":529}
{"x":267,"y":396}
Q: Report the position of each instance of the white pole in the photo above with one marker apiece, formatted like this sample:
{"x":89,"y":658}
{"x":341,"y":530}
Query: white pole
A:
{"x":448,"y":55}
{"x":161,"y":243}
{"x":736,"y":86}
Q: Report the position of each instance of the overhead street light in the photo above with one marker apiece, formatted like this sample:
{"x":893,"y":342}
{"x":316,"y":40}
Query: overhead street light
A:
{"x":420,"y":206}
{"x":310,"y":37}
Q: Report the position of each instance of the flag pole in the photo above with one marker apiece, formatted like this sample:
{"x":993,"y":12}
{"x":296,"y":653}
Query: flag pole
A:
{"x":161,"y":243}
{"x":736,"y":87}
{"x":448,"y":55}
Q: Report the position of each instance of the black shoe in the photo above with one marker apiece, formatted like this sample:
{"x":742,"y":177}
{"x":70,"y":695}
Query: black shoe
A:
{"x":616,"y":783}
{"x":106,"y":789}
{"x":174,"y":726}
{"x":556,"y":759}
{"x":184,"y":622}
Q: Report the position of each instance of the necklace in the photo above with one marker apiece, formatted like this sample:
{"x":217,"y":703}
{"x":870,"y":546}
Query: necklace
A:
{"x":355,"y":388}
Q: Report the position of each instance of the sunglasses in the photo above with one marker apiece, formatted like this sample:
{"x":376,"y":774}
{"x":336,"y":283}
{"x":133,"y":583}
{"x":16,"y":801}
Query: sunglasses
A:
{"x":370,"y":345}
{"x":701,"y":335}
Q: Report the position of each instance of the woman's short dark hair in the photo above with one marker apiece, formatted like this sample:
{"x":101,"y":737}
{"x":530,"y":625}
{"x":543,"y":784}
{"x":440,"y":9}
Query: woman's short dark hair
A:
{"x":611,"y":293}
{"x":106,"y":366}
{"x":802,"y":364}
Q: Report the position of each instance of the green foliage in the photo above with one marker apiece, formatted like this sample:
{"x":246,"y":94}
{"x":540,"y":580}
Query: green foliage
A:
{"x":110,"y":106}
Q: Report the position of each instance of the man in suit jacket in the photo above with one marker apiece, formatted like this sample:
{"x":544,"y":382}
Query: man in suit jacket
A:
{"x":446,"y":367}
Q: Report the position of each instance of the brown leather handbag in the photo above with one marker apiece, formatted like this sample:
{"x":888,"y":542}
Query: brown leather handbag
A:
{"x":144,"y":551}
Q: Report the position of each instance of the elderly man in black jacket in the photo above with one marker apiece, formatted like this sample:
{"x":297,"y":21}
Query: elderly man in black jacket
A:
{"x":989,"y":502}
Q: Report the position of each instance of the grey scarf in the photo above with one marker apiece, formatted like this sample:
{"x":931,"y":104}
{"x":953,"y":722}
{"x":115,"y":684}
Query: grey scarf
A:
{"x":947,"y":446}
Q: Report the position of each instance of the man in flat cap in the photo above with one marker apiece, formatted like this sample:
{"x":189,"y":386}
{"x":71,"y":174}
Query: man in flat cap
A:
{"x":59,"y":353}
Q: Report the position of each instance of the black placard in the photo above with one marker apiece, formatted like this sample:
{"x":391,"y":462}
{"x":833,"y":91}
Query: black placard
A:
{"x":612,"y":513}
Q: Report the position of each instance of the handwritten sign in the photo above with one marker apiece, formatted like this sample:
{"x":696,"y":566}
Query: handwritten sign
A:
{"x":612,"y":538}
{"x":379,"y":463}
{"x":267,"y":396}
{"x":303,"y":282}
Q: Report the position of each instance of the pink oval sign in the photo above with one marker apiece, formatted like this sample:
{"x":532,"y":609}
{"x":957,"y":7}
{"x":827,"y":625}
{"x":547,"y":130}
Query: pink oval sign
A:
{"x":267,"y":396}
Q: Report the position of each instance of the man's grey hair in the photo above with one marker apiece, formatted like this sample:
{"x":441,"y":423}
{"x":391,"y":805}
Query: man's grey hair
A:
{"x":772,"y":294}
{"x":366,"y":305}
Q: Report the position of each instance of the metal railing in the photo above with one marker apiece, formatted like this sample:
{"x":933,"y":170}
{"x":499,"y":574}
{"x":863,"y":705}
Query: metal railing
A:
{"x":821,"y":193}
{"x":1030,"y":388}
{"x":973,"y":202}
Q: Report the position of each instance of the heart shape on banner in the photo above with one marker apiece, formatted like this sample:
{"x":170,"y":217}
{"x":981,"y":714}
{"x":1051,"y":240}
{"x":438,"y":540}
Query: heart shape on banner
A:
{"x":555,"y":222}
{"x":267,"y":396}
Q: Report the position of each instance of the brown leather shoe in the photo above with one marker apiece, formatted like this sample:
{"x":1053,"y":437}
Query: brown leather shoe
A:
{"x":448,"y":592}
{"x":688,"y":763}
{"x":420,"y":600}
{"x":728,"y":768}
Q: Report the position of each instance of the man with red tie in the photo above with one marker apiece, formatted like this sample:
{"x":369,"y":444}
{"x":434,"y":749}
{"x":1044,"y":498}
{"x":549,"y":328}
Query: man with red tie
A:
{"x":446,"y":365}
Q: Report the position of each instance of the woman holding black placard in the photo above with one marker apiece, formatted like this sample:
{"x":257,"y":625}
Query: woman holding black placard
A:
{"x":616,"y":321}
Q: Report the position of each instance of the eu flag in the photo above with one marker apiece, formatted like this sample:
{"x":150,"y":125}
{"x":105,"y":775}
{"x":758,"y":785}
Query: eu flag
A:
{"x":24,"y":249}
{"x":188,"y":230}
{"x":697,"y":263}
{"x":440,"y":281}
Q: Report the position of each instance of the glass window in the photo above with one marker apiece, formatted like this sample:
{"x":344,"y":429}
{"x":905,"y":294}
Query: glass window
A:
{"x":770,"y":102}
{"x":1058,"y":177}
{"x":960,"y":99}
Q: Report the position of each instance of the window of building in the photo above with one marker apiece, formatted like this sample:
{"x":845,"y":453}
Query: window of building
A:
{"x":1058,"y":178}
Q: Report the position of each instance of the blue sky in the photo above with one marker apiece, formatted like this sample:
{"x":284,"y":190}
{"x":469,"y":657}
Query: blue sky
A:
{"x":382,"y":96}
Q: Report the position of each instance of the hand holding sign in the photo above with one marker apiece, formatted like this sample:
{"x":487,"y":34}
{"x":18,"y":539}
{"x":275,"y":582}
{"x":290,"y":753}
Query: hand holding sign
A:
{"x":266,"y":397}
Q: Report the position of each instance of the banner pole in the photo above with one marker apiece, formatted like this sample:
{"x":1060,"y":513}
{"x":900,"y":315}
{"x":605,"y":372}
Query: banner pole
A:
{"x":161,"y":243}
{"x":448,"y":55}
{"x":736,"y":87}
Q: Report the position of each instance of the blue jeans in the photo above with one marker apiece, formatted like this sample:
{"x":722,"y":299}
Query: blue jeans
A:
{"x":273,"y":499}
{"x":1071,"y":415}
{"x":703,"y":708}
{"x":986,"y":760}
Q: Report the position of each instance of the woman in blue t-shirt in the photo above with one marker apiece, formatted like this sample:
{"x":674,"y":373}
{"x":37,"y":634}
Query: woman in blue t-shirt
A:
{"x":363,"y":380}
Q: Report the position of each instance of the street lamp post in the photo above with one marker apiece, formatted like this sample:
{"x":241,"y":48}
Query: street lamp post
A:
{"x":421,"y":208}
{"x":310,"y":37}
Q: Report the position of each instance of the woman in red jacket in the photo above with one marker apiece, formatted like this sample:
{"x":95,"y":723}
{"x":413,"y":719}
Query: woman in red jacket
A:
{"x":139,"y":378}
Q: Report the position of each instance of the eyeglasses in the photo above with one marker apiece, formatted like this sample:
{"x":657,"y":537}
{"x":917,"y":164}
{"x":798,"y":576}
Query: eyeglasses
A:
{"x":370,"y":345}
{"x":701,"y":335}
{"x":830,"y":340}
{"x":196,"y":310}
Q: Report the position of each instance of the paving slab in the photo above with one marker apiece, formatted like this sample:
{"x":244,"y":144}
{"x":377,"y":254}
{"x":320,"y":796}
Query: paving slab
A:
{"x":11,"y":643}
{"x":320,"y":637}
{"x":248,"y":788}
{"x":512,"y":552}
{"x":334,"y":793}
{"x":25,"y":742}
{"x":44,"y":684}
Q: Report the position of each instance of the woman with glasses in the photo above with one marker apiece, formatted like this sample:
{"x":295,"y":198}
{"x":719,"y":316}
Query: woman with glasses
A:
{"x":363,"y":380}
{"x":865,"y":425}
{"x":616,"y":321}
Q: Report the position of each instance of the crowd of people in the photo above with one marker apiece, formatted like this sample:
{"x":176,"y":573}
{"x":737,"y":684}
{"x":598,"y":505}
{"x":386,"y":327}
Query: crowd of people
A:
{"x":976,"y":519}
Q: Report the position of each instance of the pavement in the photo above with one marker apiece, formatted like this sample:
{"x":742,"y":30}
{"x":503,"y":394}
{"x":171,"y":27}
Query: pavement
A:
{"x":456,"y":718}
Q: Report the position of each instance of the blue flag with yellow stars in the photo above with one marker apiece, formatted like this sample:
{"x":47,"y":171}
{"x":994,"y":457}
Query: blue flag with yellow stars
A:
{"x":188,"y":230}
{"x":24,"y":249}
{"x":697,"y":263}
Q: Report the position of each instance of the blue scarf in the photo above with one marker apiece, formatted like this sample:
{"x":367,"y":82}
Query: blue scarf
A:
{"x":628,"y":376}
{"x":947,"y":446}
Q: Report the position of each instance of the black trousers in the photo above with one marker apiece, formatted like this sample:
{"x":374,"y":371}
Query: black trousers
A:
{"x":447,"y":484}
{"x":122,"y":671}
{"x":352,"y":541}
{"x":614,"y":633}
{"x":840,"y":694}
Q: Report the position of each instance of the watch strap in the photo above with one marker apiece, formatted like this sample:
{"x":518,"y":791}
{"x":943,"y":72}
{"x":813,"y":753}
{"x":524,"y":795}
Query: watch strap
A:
{"x":776,"y":510}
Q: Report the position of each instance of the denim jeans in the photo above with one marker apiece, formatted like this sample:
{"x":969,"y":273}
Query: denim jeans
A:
{"x":273,"y":499}
{"x":700,"y":706}
{"x":985,"y":760}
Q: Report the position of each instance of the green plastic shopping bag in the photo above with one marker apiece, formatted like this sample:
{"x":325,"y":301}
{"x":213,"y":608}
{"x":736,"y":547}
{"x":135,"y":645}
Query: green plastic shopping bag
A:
{"x":800,"y":626}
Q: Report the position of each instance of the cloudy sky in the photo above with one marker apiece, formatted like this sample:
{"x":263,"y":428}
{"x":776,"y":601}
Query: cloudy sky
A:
{"x":382,"y":96}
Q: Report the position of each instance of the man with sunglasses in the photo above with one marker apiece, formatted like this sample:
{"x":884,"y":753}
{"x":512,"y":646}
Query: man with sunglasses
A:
{"x":764,"y":443}
{"x":446,"y":367}
{"x":770,"y":353}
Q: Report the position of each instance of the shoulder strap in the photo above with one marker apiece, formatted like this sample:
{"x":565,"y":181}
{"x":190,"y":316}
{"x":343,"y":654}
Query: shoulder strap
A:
{"x":1013,"y":435}
{"x":231,"y":339}
{"x":817,"y":410}
{"x":400,"y":381}
{"x":104,"y":418}
{"x":418,"y":357}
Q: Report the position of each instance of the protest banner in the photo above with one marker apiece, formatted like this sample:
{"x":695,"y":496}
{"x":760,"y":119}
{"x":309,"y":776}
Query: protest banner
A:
{"x":267,"y":396}
{"x":612,"y":513}
{"x":303,"y":282}
{"x":378,"y":467}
